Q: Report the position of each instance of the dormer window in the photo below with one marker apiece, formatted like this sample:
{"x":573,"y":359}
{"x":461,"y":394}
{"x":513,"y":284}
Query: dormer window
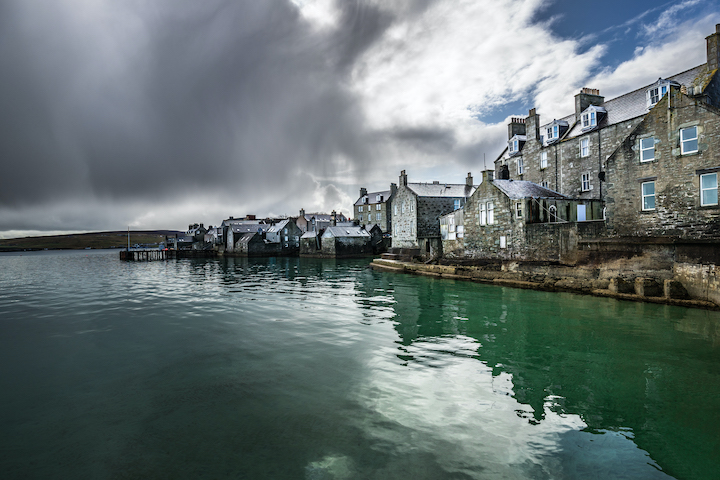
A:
{"x":657,"y":90}
{"x":554,"y":131}
{"x":515,"y":144}
{"x":591,"y":116}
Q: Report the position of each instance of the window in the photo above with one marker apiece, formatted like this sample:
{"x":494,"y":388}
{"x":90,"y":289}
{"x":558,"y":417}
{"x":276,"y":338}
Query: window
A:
{"x":456,"y":203}
{"x":585,"y":182}
{"x":395,"y":209}
{"x":513,"y":146}
{"x":360,"y":208}
{"x":584,"y":147}
{"x":518,"y":209}
{"x":553,"y":132}
{"x":647,"y":149}
{"x":490,"y":213}
{"x":688,"y":140}
{"x":708,"y":189}
{"x":655,"y":94}
{"x":543,"y":160}
{"x":378,"y":217}
{"x":360,"y":218}
{"x":378,"y":198}
{"x":402,"y":207}
{"x":648,"y":196}
{"x":412,"y":206}
{"x":378,"y":207}
{"x":589,"y":119}
{"x":520,"y":168}
{"x":483,"y":214}
{"x":544,"y":183}
{"x":503,"y":241}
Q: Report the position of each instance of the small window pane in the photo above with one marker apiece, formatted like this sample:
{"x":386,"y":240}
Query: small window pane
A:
{"x":648,"y":195}
{"x":708,"y":189}
{"x":688,"y":140}
{"x":647,"y":149}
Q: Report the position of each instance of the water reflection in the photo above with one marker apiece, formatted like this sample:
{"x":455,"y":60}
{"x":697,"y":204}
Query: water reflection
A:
{"x":305,"y":368}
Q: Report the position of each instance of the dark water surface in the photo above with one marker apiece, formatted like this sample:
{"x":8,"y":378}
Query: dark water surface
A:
{"x":310,"y":369}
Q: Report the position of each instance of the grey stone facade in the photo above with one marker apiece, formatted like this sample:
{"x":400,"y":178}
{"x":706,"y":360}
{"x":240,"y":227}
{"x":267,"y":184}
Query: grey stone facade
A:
{"x":673,"y":203}
{"x":375,"y":208}
{"x":417,"y":208}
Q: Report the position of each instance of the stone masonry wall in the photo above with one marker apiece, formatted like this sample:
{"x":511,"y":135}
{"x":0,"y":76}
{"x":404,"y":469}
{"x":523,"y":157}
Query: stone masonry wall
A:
{"x":677,"y":211}
{"x":404,"y":218}
{"x":429,"y":210}
{"x":564,"y":163}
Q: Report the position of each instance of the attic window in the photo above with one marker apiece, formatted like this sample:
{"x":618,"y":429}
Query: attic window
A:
{"x":656,"y":91}
{"x":553,"y":132}
{"x":591,"y":116}
{"x":515,"y":144}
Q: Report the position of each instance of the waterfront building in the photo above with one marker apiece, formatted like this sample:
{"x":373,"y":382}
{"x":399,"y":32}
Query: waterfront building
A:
{"x":375,"y":208}
{"x":317,"y":221}
{"x":416,"y":209}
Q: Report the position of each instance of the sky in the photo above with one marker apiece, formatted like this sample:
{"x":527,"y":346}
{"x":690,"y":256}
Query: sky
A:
{"x":154,"y":114}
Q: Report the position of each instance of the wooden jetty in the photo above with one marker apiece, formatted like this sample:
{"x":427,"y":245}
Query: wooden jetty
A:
{"x":147,"y":254}
{"x":144,"y":254}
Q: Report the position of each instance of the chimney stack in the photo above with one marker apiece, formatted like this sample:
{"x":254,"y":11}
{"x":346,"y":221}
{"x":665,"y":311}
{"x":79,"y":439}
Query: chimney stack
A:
{"x":403,"y":179}
{"x":333,"y":219}
{"x":713,"y":49}
{"x":532,"y":125}
{"x":302,"y":212}
{"x":516,"y":127}
{"x":393,"y":189}
{"x":363,"y":192}
{"x":469,"y":180}
{"x":586,"y":97}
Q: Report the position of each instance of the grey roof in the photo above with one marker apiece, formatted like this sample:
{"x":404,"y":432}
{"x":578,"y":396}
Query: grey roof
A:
{"x":518,"y":189}
{"x":447,"y":190}
{"x":371,"y":197}
{"x":250,"y":227}
{"x":278,"y":226}
{"x":632,"y":104}
{"x":323,"y":217}
{"x":346,"y":232}
{"x":310,"y":234}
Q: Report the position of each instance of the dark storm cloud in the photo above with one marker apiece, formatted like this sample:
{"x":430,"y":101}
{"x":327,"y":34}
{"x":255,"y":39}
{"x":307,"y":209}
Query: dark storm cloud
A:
{"x":150,"y":99}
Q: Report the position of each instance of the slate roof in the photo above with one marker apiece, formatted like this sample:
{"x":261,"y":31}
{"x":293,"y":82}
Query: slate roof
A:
{"x":278,"y":226}
{"x":345,"y":232}
{"x":249,"y":227}
{"x":372,"y":195}
{"x":310,"y":234}
{"x":519,"y":189}
{"x":630,"y":105}
{"x":447,"y":190}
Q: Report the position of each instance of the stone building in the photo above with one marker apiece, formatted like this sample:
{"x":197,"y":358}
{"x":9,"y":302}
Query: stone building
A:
{"x":662,"y":181}
{"x":375,"y":208}
{"x":345,"y":241}
{"x":416,"y":209}
{"x":520,"y":220}
{"x":452,"y":233}
{"x":308,"y":222}
{"x":569,"y":154}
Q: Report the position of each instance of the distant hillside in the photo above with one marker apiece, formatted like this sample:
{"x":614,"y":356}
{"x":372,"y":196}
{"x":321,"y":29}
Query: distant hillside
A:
{"x":80,"y":241}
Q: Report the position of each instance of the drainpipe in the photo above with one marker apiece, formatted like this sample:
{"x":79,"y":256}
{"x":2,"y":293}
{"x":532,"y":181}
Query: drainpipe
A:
{"x":599,"y":161}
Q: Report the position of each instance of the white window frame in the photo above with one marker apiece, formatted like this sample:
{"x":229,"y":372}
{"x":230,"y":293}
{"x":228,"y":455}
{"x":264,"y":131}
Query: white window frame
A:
{"x":645,"y":195}
{"x":360,"y":208}
{"x":703,"y":203}
{"x":518,"y":209}
{"x":544,"y":184}
{"x":655,"y":94}
{"x":402,"y":207}
{"x":684,"y":140}
{"x":584,"y":147}
{"x":378,"y":207}
{"x":543,"y":160}
{"x":483,"y":214}
{"x":647,"y":154}
{"x":520,"y":166}
{"x":490,"y":213}
{"x":378,"y":198}
{"x":585,"y":182}
{"x":456,"y":204}
{"x":378,"y":217}
{"x":589,"y":119}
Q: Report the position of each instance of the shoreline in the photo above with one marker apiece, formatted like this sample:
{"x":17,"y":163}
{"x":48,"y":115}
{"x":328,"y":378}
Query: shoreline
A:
{"x":599,"y":288}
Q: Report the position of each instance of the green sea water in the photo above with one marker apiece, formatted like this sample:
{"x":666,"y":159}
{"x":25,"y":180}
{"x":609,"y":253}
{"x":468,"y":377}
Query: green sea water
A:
{"x":318,"y":369}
